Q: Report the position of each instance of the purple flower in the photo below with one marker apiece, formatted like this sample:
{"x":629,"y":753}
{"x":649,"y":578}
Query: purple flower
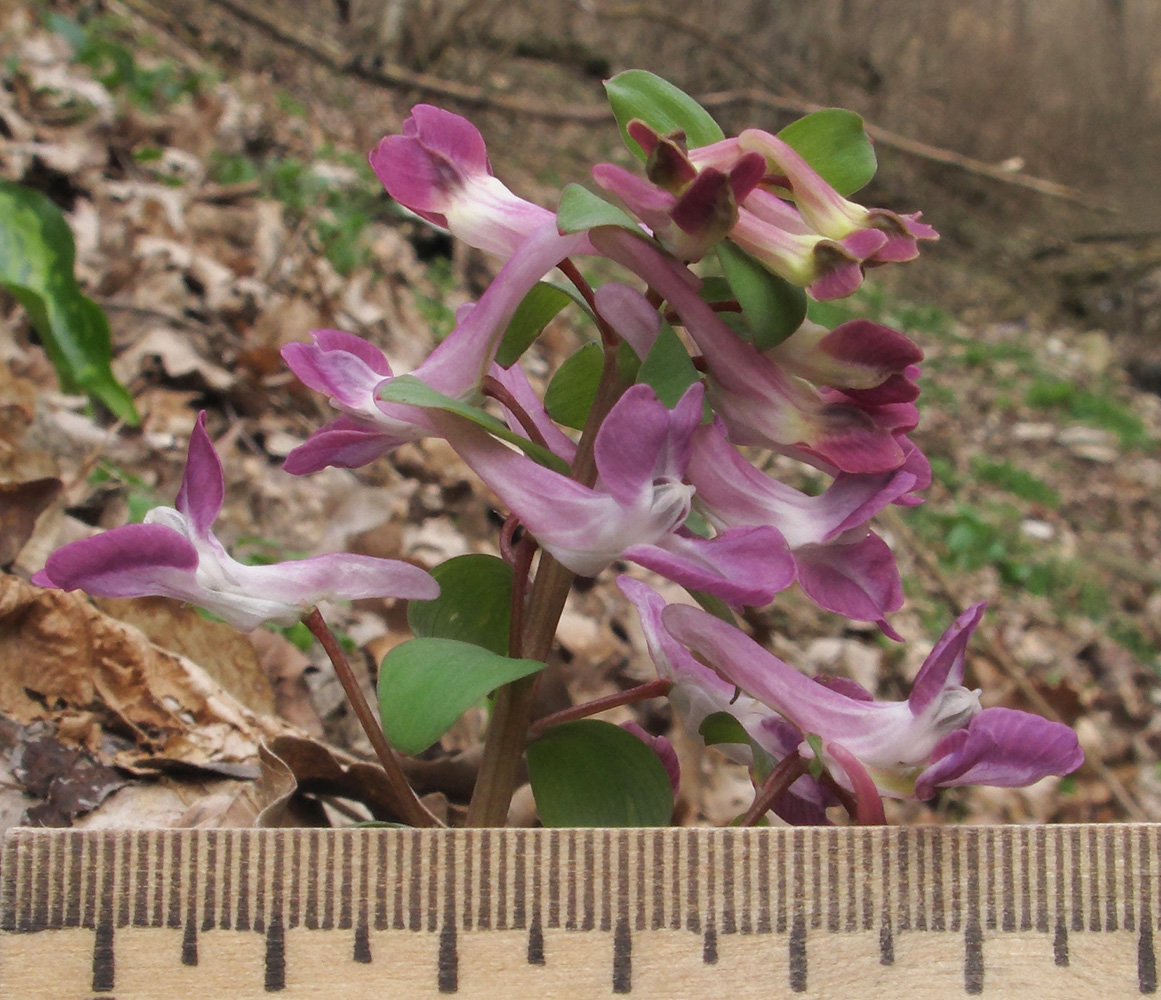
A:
{"x":687,"y":223}
{"x":839,"y":563}
{"x":939,"y":737}
{"x":439,"y":169}
{"x":638,"y":507}
{"x":175,"y":554}
{"x":759,"y":402}
{"x":351,"y":371}
{"x":698,"y":692}
{"x":830,"y":214}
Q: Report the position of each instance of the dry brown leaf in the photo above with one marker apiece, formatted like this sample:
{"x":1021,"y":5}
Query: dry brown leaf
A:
{"x":20,"y":505}
{"x":60,"y":655}
{"x":285,"y":665}
{"x":227,"y":655}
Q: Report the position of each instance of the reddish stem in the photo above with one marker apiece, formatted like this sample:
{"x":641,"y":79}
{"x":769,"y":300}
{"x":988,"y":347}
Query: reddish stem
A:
{"x":570,"y":271}
{"x":411,"y":810}
{"x":492,"y":387}
{"x":787,"y":771}
{"x":654,"y":689}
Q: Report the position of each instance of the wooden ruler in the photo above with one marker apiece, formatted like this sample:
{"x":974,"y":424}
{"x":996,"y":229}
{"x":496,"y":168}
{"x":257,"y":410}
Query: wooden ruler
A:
{"x":1044,"y":911}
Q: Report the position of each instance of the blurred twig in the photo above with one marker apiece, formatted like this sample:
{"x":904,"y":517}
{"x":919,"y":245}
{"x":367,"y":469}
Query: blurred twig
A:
{"x":329,"y":53}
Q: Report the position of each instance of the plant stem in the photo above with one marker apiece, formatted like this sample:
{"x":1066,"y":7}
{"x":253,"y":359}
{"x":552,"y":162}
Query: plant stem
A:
{"x":787,"y":771}
{"x":411,"y":810}
{"x":512,"y":708}
{"x":653,"y":689}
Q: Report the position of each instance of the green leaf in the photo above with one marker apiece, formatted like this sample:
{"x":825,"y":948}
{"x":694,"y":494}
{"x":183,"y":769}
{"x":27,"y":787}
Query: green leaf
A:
{"x":814,"y":741}
{"x":570,"y":394}
{"x":538,"y":308}
{"x":637,"y":93}
{"x":426,"y":684}
{"x":773,"y":307}
{"x":834,"y":142}
{"x":715,"y":288}
{"x":580,"y":210}
{"x":474,"y":603}
{"x":411,"y":391}
{"x":36,"y":267}
{"x":714,"y":605}
{"x":721,"y":727}
{"x":668,"y":367}
{"x":592,"y":773}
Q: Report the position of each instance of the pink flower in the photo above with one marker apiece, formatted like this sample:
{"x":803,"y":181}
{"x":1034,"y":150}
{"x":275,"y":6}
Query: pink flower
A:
{"x":939,"y":737}
{"x":439,"y":169}
{"x":175,"y":554}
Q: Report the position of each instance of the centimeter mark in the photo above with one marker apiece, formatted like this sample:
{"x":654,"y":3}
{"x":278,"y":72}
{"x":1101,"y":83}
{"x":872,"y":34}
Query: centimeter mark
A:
{"x":1058,"y":881}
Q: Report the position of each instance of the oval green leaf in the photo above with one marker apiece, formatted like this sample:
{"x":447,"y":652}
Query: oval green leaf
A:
{"x":637,"y":93}
{"x":773,"y":307}
{"x":474,"y":603}
{"x":580,"y":210}
{"x":591,"y":773}
{"x":538,"y":308}
{"x":667,"y":367}
{"x":834,"y":142}
{"x":570,"y":394}
{"x":37,"y":255}
{"x":426,"y":684}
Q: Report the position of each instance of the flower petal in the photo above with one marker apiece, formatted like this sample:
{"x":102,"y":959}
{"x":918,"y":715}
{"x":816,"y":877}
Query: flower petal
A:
{"x":203,"y":486}
{"x":741,"y":566}
{"x":131,"y":561}
{"x":1001,"y":746}
{"x":943,"y":667}
{"x":858,"y":580}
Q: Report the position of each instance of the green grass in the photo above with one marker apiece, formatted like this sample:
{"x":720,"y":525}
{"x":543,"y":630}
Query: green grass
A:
{"x":341,"y":215}
{"x":1015,"y":480}
{"x":113,"y":52}
{"x":1096,"y":409}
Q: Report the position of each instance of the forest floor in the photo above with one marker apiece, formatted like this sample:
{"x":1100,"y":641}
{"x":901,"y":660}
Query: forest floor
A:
{"x":224,"y":208}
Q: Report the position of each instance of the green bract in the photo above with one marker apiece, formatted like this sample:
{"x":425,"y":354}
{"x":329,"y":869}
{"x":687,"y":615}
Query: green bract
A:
{"x":570,"y":394}
{"x":773,"y":307}
{"x":37,"y":255}
{"x":592,"y":773}
{"x":539,"y":307}
{"x":667,"y":368}
{"x":580,"y":210}
{"x":835,"y":144}
{"x":426,"y":684}
{"x":665,"y":108}
{"x":412,"y":391}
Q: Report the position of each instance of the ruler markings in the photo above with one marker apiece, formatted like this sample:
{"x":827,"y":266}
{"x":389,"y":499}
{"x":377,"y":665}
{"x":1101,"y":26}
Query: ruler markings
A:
{"x":1129,"y":916}
{"x":920,"y":915}
{"x":709,"y":951}
{"x":1025,"y":879}
{"x":570,"y":876}
{"x":1095,"y":868}
{"x":502,"y":885}
{"x":536,"y":930}
{"x":519,"y":864}
{"x":553,"y":879}
{"x":484,"y":917}
{"x":1076,"y":895}
{"x":433,"y":883}
{"x":1060,"y":935}
{"x":1059,"y":881}
{"x":729,"y":921}
{"x":1110,"y":879}
{"x":1146,"y":958}
{"x":1007,"y":886}
{"x":903,"y":899}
